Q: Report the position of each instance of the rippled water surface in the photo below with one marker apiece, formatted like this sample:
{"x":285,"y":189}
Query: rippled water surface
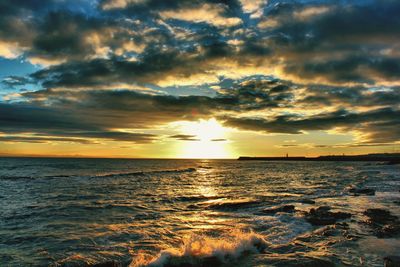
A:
{"x":79,"y":212}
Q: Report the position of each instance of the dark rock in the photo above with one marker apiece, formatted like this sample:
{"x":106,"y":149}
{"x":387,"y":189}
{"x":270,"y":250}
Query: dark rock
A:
{"x":392,"y":261}
{"x":307,"y":201}
{"x":328,"y":232}
{"x":383,"y":223}
{"x":187,"y":262}
{"x":284,"y":208}
{"x":323,"y":216}
{"x":362,"y":191}
{"x":304,"y":262}
{"x":380,"y":216}
{"x":394,"y":161}
{"x":342,"y":225}
{"x":107,"y":264}
{"x":211,"y":261}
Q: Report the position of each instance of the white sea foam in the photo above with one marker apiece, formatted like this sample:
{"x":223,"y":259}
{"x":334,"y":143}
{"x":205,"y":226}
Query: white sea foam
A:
{"x":197,"y":250}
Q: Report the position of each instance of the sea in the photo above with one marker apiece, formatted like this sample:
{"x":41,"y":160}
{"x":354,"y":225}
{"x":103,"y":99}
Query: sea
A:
{"x":152,"y":212}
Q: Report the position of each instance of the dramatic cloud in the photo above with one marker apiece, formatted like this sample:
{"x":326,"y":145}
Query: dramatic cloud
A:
{"x":343,"y":44}
{"x":96,"y":114}
{"x":117,"y":70}
{"x":205,"y":13}
{"x":100,"y":114}
{"x":45,"y":122}
{"x":352,"y":97}
{"x":375,"y":126}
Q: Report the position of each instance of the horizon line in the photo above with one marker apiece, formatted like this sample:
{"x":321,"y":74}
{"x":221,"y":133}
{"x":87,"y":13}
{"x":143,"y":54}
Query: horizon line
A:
{"x":178,"y":158}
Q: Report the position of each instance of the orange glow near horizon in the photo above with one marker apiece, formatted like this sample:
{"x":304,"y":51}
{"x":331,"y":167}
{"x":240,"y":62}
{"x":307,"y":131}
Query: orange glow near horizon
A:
{"x":206,"y":139}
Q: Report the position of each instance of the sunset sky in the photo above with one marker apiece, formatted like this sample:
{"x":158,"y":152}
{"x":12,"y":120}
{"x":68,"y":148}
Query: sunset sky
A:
{"x":199,"y":78}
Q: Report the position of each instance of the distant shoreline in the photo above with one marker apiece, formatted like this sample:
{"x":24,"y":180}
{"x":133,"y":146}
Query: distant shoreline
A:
{"x":393,"y":158}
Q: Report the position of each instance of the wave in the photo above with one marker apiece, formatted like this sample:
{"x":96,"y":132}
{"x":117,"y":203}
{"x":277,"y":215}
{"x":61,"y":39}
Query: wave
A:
{"x":204,"y":167}
{"x":12,"y":178}
{"x":140,"y":173}
{"x":195,"y":198}
{"x":59,"y":176}
{"x":110,"y":175}
{"x":34,"y":177}
{"x":199,"y":250}
{"x":224,"y":204}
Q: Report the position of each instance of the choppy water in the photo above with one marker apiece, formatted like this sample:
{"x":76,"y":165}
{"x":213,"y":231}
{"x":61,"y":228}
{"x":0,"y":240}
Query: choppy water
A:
{"x":77,"y":212}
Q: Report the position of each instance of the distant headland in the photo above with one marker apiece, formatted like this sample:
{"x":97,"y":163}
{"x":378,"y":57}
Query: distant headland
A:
{"x":391,"y":158}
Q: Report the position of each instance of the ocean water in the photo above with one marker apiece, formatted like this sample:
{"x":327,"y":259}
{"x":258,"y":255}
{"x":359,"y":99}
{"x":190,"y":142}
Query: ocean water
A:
{"x":80,"y":212}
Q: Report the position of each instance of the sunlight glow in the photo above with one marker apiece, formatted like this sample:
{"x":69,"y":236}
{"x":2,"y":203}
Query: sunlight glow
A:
{"x":205,"y":130}
{"x":211,"y":141}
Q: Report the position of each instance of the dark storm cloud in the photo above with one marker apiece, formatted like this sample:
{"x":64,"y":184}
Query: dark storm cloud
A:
{"x":152,"y":7}
{"x":360,"y":69}
{"x":107,"y":71}
{"x":260,"y":94}
{"x":380,"y":125}
{"x":12,"y":81}
{"x":13,"y":28}
{"x":21,"y":21}
{"x":254,"y":94}
{"x":47,"y":121}
{"x":344,"y":44}
{"x":62,"y":35}
{"x":153,"y":65}
{"x":352,"y":96}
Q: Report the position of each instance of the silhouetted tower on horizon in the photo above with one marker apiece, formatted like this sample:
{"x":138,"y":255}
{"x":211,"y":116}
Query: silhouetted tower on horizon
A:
{"x":287,"y":155}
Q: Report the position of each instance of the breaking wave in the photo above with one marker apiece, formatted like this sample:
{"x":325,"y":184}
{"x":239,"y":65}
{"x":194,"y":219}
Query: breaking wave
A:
{"x":199,"y":250}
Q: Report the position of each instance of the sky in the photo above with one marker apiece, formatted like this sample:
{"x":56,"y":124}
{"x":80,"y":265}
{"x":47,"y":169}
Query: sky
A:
{"x":199,"y":78}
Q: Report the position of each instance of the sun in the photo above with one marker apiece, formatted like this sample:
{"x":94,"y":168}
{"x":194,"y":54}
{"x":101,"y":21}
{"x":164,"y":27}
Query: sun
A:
{"x":204,"y":130}
{"x":210,"y":140}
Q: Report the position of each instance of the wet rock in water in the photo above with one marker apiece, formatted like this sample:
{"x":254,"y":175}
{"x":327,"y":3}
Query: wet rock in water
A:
{"x":305,"y":262}
{"x":383,"y":223}
{"x":190,"y":262}
{"x":380,"y":216}
{"x":206,"y":261}
{"x":107,"y":264}
{"x":328,"y":231}
{"x":323,"y":216}
{"x":362,"y":191}
{"x":392,"y":261}
{"x":307,"y":201}
{"x":284,"y":208}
